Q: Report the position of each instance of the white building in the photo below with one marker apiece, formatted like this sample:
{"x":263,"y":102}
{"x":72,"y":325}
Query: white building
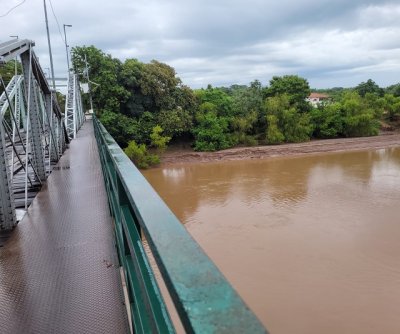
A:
{"x":317,"y":99}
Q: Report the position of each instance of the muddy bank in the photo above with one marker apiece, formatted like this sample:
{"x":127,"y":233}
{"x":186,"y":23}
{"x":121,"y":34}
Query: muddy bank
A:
{"x":260,"y":152}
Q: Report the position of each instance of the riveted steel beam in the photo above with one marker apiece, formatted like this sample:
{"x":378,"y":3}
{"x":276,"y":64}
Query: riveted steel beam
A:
{"x":53,"y":148}
{"x":34,"y":116}
{"x":7,"y":208}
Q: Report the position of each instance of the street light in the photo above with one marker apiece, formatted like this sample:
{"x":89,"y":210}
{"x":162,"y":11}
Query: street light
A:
{"x":66,"y":44}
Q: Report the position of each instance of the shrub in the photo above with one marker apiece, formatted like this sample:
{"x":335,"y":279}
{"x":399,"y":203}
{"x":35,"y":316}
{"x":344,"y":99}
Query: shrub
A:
{"x":157,"y":140}
{"x":274,"y":135}
{"x":212,"y":133}
{"x":140,"y":156}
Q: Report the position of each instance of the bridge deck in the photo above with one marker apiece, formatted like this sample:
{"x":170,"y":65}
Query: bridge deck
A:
{"x":57,"y":270}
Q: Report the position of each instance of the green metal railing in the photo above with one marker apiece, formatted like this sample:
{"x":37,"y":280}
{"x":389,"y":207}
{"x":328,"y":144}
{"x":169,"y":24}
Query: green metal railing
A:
{"x":204,"y":300}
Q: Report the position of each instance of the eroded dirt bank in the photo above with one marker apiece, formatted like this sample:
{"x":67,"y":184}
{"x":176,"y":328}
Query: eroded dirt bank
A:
{"x":260,"y":152}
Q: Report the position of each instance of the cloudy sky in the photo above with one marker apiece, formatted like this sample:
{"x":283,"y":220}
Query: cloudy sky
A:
{"x":329,"y":42}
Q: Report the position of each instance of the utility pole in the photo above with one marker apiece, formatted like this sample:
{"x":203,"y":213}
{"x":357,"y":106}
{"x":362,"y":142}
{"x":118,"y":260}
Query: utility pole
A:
{"x":48,"y":42}
{"x":66,"y":44}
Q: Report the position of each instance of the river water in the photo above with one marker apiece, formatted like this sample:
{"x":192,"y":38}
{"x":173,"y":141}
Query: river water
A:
{"x":311,"y":243}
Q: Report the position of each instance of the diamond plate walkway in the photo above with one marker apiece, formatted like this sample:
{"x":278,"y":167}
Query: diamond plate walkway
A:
{"x":57,"y":270}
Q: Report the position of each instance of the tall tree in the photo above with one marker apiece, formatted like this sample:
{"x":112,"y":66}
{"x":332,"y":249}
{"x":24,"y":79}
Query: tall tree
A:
{"x":104,"y":71}
{"x":393,"y":89}
{"x":130,"y":78}
{"x":369,"y":87}
{"x":295,"y":87}
{"x":222,"y":102}
{"x":159,"y":81}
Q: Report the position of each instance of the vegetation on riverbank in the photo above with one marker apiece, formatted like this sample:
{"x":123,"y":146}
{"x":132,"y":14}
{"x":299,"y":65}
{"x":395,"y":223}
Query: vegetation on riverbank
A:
{"x":145,"y":105}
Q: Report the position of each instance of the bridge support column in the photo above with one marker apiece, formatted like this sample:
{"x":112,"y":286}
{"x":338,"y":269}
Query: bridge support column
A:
{"x":7,"y":207}
{"x":34,"y":117}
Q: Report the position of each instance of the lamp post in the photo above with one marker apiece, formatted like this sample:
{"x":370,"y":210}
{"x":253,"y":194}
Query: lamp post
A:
{"x":66,"y":44}
{"x":49,"y":44}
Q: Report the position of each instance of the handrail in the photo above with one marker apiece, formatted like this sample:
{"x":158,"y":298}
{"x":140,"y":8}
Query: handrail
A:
{"x":204,"y":300}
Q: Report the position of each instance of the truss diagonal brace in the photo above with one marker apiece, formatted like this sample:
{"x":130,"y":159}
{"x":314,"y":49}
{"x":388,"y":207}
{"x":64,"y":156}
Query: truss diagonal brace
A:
{"x":34,"y":119}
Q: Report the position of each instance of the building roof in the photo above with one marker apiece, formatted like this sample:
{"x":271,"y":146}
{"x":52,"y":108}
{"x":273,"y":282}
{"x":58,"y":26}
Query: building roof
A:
{"x":318,"y":96}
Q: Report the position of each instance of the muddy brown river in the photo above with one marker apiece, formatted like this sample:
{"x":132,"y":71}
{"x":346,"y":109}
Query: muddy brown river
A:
{"x":311,"y":243}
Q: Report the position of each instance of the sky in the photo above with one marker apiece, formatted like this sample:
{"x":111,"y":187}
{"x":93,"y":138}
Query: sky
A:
{"x":331,"y":43}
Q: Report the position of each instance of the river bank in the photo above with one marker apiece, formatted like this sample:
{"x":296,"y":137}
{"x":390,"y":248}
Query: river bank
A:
{"x":385,"y":140}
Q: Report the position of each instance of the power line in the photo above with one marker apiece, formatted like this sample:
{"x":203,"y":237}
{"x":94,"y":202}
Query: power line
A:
{"x":58,"y":25}
{"x":10,"y":10}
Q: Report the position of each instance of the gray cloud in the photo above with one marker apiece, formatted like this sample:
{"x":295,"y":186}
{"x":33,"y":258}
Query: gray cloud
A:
{"x":330,"y":42}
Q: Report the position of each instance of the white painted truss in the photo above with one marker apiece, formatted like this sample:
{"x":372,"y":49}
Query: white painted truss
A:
{"x":33,"y":130}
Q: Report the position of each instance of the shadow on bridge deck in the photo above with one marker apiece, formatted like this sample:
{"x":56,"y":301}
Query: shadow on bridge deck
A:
{"x":58,"y":270}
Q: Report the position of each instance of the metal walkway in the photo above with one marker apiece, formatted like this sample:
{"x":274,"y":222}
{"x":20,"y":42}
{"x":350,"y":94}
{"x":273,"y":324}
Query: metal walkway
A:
{"x":58,"y":270}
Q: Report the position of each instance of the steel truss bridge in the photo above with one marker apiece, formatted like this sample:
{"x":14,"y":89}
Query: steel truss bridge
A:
{"x":85,"y":240}
{"x":34,"y":131}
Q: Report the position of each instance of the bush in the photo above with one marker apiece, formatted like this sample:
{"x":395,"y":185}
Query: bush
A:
{"x":361,"y":125}
{"x":158,"y":141}
{"x":274,"y":135}
{"x":212,"y":133}
{"x":358,"y":119}
{"x":140,"y":156}
{"x":296,"y":127}
{"x":328,"y":121}
{"x":120,"y":127}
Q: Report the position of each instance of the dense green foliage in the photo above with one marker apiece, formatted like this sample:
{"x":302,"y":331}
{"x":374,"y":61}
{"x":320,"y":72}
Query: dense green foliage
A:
{"x":369,"y":87}
{"x":145,"y":106}
{"x":140,"y":156}
{"x":7,"y":71}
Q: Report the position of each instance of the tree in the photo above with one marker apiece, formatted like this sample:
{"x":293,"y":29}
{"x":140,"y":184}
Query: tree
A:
{"x":295,"y":87}
{"x":211,"y":134}
{"x":391,"y":106}
{"x":176,"y":122}
{"x":292,"y":124}
{"x":146,"y":123}
{"x":157,"y":140}
{"x":369,"y":87}
{"x":393,"y":89}
{"x":274,"y":135}
{"x":121,"y":128}
{"x":357,"y":119}
{"x":327,"y":121}
{"x":250,"y":100}
{"x":7,"y":71}
{"x":108,"y":93}
{"x":242,"y":127}
{"x":130,"y":78}
{"x":159,"y":81}
{"x":296,"y":127}
{"x":221,"y":101}
{"x":185,"y":99}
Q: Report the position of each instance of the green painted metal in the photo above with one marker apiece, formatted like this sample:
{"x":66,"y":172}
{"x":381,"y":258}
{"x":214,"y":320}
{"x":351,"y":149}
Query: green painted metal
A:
{"x":205,"y":301}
